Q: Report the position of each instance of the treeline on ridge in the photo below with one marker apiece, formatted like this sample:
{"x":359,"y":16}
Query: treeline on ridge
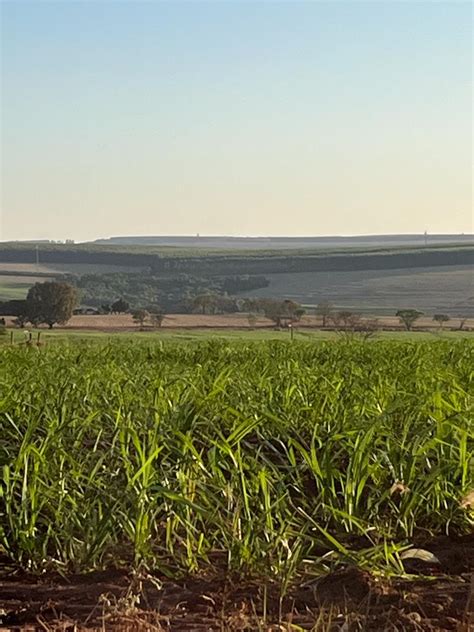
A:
{"x":169,"y":260}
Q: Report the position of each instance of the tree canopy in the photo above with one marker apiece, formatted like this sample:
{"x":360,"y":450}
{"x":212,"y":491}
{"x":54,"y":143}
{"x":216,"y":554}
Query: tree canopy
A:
{"x":50,"y":303}
{"x":408,"y":317}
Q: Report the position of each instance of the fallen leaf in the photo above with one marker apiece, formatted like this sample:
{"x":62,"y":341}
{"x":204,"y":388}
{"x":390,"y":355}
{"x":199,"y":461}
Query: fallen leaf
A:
{"x":420,"y":554}
{"x":399,"y":487}
{"x":468,"y":501}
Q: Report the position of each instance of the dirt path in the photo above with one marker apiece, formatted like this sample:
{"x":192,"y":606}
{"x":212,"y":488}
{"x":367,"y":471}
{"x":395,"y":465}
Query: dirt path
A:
{"x":349,"y":599}
{"x":124,"y":322}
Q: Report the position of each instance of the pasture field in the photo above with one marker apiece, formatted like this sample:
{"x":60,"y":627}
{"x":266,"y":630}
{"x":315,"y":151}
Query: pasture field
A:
{"x":433,"y":289}
{"x":184,"y":472}
{"x":169,"y":259}
{"x":436,"y":289}
{"x":72,"y":335}
{"x":292,"y":243}
{"x":17,"y":278}
{"x":16,"y":287}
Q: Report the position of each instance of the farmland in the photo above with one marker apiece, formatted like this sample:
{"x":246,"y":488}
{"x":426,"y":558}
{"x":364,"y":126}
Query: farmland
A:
{"x":436,"y":288}
{"x":17,"y":278}
{"x":379,"y":279}
{"x":202,"y":463}
{"x":169,"y":259}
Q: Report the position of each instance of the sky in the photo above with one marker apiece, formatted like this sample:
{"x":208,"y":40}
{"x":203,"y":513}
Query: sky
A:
{"x":235,"y":117}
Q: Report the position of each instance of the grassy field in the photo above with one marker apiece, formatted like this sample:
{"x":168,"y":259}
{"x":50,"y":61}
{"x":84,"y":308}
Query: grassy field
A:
{"x":10,"y":290}
{"x":17,"y":278}
{"x":71,"y":335}
{"x":28,"y":249}
{"x":437,"y":289}
{"x":265,"y":243}
{"x":16,"y":287}
{"x":196,"y":261}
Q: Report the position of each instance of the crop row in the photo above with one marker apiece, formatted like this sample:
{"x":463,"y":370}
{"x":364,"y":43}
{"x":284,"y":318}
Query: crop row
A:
{"x":264,"y":456}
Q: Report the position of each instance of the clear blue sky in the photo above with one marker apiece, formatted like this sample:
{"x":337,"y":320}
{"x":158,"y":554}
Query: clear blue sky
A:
{"x":244,"y":118}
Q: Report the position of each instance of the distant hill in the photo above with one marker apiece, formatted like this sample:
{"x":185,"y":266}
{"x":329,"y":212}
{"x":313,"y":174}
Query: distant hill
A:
{"x":293,"y":243}
{"x":377,"y":276}
{"x":172,"y":260}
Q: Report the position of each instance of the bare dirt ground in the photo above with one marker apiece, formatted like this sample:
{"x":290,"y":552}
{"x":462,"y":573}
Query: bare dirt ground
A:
{"x":124,"y":322}
{"x":348,"y":599}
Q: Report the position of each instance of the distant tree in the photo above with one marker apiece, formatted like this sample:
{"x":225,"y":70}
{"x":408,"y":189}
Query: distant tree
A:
{"x":408,"y":317}
{"x":157,"y":318}
{"x":282,"y":313}
{"x":120,"y":306}
{"x":361,"y":328}
{"x":250,"y":305}
{"x":273,"y":311}
{"x":252,"y":319}
{"x":106,"y":308}
{"x":205,"y":303}
{"x":462,"y":322}
{"x":324,"y":309}
{"x":441,"y":319}
{"x":139,"y":316}
{"x":370,"y":327}
{"x":225,"y":305}
{"x":346,"y":319}
{"x":50,"y":303}
{"x":350,"y":324}
{"x":21,"y":312}
{"x":299,"y":313}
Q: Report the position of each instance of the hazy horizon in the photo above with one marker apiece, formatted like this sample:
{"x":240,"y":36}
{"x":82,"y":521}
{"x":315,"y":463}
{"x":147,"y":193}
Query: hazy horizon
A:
{"x":254,"y":119}
{"x":434,"y":237}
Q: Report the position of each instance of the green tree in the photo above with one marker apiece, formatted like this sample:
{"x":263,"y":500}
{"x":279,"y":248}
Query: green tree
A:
{"x":408,"y":317}
{"x":441,"y":319}
{"x":252,"y":319}
{"x":50,"y":303}
{"x":120,"y":306}
{"x":205,"y":303}
{"x":139,"y":316}
{"x":157,"y":318}
{"x":324,"y":309}
{"x":282,"y":313}
{"x":273,"y":311}
{"x":346,"y":319}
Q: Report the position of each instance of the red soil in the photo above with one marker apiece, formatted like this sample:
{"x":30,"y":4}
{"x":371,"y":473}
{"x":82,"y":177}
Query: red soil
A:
{"x":348,"y":599}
